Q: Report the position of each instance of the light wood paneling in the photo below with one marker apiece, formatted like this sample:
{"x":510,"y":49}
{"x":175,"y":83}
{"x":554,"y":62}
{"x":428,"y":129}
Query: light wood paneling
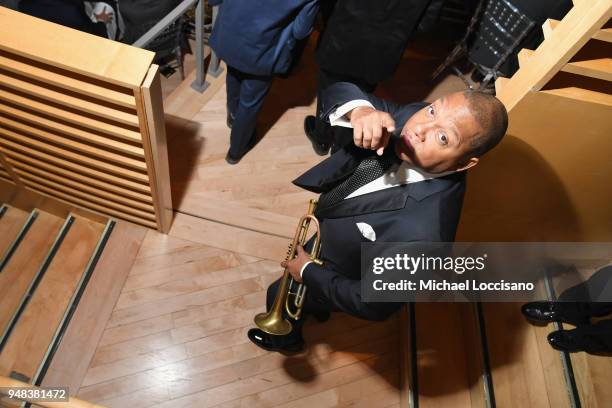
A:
{"x":42,"y":150}
{"x":142,"y":210}
{"x":77,"y":133}
{"x":78,"y":151}
{"x":568,"y":175}
{"x":142,"y":218}
{"x":72,"y":104}
{"x":105,"y":181}
{"x":60,"y":46}
{"x":124,"y":133}
{"x":50,"y":177}
{"x":156,"y":145}
{"x":60,"y":78}
{"x":41,"y":159}
{"x":70,"y":101}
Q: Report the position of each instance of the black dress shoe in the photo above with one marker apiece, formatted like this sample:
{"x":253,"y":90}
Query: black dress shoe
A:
{"x":309,"y":128}
{"x":274,"y":343}
{"x":235,"y":160}
{"x":580,"y":339}
{"x":563,"y":340}
{"x":231,"y":159}
{"x":553,"y":312}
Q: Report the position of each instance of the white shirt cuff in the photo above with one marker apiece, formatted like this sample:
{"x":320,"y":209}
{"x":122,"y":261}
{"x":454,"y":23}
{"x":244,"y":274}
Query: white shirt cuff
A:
{"x":304,"y":267}
{"x":337,"y":118}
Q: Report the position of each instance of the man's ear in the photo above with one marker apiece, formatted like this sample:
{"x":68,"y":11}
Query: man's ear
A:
{"x":472,"y":161}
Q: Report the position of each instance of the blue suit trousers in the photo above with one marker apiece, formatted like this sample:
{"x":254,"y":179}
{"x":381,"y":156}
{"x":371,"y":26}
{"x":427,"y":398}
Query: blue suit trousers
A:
{"x":245,"y":97}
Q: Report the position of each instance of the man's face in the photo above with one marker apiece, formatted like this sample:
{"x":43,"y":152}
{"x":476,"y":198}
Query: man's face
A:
{"x":437,"y":138}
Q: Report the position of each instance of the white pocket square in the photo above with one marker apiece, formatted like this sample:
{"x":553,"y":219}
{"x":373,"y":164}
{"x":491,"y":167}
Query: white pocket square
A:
{"x":367,"y":231}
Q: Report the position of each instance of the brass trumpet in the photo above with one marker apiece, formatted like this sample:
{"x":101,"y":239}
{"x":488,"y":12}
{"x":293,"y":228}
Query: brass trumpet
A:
{"x":273,"y":321}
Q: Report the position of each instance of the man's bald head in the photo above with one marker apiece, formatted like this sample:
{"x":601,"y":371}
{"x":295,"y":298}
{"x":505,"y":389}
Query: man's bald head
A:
{"x":491,"y":116}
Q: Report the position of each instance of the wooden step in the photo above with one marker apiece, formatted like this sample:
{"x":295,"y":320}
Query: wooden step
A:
{"x":526,"y":371}
{"x":30,"y":342}
{"x":523,"y":56}
{"x":449,"y":365}
{"x":581,"y":94}
{"x":500,"y":83}
{"x":12,"y":225}
{"x":21,"y":270}
{"x":600,"y":68}
{"x":605,"y":34}
{"x":79,"y":342}
{"x":548,"y":27}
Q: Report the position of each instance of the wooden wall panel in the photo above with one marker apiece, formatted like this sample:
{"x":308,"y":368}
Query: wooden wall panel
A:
{"x":73,"y":124}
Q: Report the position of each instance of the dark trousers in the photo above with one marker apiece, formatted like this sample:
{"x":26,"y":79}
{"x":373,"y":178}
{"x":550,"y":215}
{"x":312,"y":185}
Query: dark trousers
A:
{"x":323,"y":132}
{"x":245,"y":97}
{"x":598,"y":287}
{"x":310,"y":307}
{"x":596,"y":337}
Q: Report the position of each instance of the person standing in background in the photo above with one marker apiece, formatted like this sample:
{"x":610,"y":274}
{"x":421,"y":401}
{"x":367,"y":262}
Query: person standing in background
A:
{"x":69,"y":13}
{"x":256,"y":39}
{"x":140,"y":15}
{"x":362,"y":43}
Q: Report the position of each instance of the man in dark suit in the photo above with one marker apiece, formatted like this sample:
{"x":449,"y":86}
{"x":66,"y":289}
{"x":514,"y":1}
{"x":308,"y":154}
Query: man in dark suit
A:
{"x":362,"y":43}
{"x":257,"y":40}
{"x":402,"y":180}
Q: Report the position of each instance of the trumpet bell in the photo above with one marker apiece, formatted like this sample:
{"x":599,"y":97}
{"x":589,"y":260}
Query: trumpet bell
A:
{"x":273,"y":323}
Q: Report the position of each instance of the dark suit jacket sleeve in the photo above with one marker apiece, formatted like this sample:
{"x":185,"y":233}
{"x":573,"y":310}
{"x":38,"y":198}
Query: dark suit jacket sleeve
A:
{"x":340,"y":93}
{"x":213,"y":3}
{"x":344,"y":294}
{"x":304,"y":21}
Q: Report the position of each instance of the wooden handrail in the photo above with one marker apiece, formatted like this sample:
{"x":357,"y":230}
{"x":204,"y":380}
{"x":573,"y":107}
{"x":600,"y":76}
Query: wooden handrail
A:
{"x":6,"y":382}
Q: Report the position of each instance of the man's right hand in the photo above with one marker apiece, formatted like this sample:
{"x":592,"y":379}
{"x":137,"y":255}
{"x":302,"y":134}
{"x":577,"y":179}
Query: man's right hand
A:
{"x":371,"y":128}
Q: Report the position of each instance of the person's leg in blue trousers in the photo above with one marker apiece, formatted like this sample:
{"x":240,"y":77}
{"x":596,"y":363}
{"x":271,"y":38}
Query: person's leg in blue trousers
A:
{"x":233,"y":79}
{"x":253,"y":90}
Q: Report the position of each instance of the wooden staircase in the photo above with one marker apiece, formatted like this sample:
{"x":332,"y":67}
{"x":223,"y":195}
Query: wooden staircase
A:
{"x":46,"y":264}
{"x":547,"y":181}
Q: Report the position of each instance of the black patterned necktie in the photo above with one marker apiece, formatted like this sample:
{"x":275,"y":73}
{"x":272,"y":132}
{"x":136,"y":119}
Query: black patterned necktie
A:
{"x":368,"y":170}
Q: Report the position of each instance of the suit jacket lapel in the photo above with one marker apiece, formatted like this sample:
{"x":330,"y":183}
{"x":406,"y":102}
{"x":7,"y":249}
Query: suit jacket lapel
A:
{"x":327,"y":174}
{"x":389,"y":199}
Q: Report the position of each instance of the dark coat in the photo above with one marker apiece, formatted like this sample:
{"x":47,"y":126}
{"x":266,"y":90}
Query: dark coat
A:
{"x":140,"y":16}
{"x":69,"y":13}
{"x":258,"y":37}
{"x":365,"y":39}
{"x":423,"y":211}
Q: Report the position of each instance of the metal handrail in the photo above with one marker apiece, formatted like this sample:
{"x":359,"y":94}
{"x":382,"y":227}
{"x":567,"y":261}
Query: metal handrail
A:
{"x":161,"y":25}
{"x":199,"y":84}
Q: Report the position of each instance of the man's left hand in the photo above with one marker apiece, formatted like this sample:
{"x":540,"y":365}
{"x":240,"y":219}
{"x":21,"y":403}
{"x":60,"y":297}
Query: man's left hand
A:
{"x":294,"y":266}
